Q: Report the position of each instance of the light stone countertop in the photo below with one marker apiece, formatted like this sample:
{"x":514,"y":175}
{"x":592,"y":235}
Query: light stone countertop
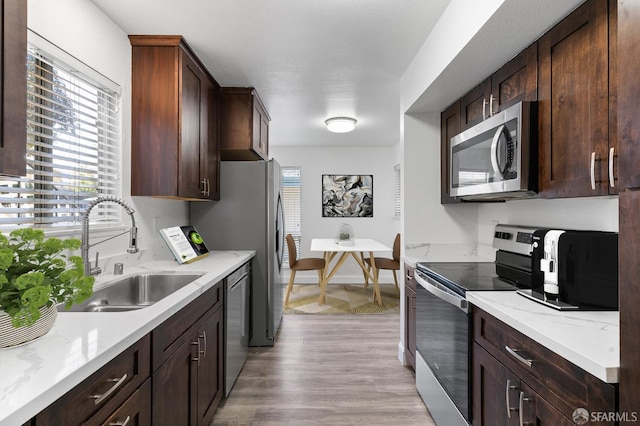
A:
{"x":35,"y":374}
{"x":588,"y":339}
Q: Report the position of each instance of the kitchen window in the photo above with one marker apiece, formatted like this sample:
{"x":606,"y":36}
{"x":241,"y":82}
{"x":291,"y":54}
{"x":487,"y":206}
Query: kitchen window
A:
{"x":397,"y":194}
{"x":291,"y":202}
{"x":73,"y":144}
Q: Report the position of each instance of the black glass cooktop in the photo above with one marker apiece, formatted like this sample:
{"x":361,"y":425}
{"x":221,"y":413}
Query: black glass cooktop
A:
{"x":466,"y":276}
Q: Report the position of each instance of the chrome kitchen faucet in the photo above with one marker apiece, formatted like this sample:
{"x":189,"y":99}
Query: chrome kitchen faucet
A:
{"x":85,"y":246}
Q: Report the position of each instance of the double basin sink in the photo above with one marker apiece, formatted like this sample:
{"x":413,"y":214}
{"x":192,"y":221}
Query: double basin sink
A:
{"x":133,"y":292}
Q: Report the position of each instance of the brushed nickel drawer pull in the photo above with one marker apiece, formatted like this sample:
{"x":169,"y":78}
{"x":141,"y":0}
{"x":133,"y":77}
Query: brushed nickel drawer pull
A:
{"x":593,"y":170}
{"x":491,"y":98}
{"x":204,"y":338}
{"x":118,"y":382}
{"x":507,"y":390}
{"x":521,"y":405}
{"x":516,"y":355}
{"x":197,"y":358}
{"x":122,"y":423}
{"x":612,"y":178}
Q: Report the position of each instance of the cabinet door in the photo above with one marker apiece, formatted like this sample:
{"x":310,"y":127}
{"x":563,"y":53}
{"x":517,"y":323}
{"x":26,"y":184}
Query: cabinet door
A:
{"x":516,"y":81}
{"x":410,"y":325}
{"x":260,"y":132}
{"x":13,"y":93}
{"x":495,"y":391}
{"x":410,"y":315}
{"x":474,"y":106}
{"x":629,"y":246}
{"x":449,"y":127}
{"x":191,"y":184}
{"x":629,"y":93}
{"x":209,"y":388}
{"x":612,"y":179}
{"x":573,"y":104}
{"x":535,"y":410}
{"x":210,"y":143}
{"x":174,"y":387}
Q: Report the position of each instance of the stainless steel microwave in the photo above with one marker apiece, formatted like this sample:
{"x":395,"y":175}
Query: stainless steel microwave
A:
{"x":498,"y":158}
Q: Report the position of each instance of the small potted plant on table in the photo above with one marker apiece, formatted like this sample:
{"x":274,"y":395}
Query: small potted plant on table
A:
{"x":34,"y":277}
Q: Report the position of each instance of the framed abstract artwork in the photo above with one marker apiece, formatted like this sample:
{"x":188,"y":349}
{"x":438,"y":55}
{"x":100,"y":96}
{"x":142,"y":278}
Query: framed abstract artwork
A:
{"x":347,"y":195}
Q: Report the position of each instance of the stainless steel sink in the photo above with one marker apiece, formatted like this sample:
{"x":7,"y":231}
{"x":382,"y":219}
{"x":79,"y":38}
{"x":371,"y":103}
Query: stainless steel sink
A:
{"x":134,"y":292}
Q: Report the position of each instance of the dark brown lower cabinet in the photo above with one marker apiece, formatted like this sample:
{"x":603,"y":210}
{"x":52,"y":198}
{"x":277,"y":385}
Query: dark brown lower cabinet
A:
{"x":501,"y":398}
{"x":136,"y":411}
{"x":188,"y":386}
{"x":517,"y":381}
{"x":410,"y":315}
{"x":493,"y":383}
{"x":107,"y":393}
{"x":174,"y":376}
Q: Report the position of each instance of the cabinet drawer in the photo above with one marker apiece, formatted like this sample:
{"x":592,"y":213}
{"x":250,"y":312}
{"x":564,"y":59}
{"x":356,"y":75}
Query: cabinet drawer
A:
{"x":172,"y":333}
{"x":106,"y":389}
{"x":409,"y":279}
{"x":559,"y":381}
{"x":136,"y":411}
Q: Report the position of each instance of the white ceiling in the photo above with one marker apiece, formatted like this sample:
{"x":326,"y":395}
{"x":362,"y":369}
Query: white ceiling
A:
{"x":313,"y":59}
{"x":308,"y":59}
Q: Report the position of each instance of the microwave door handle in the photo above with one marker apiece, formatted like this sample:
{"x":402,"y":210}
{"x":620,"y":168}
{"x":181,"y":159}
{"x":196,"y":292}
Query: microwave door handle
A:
{"x":494,"y":151}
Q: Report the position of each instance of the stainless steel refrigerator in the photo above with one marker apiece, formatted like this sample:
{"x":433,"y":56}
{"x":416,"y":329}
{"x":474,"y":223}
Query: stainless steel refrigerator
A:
{"x":249,"y":216}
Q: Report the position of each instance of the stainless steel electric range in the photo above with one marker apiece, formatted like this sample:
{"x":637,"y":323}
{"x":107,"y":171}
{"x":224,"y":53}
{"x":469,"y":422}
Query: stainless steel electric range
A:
{"x":443,"y":321}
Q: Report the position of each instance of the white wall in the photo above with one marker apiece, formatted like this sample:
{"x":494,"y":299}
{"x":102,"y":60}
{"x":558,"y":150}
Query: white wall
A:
{"x":97,"y":41}
{"x":314,"y":162}
{"x":425,"y":219}
{"x":591,"y":213}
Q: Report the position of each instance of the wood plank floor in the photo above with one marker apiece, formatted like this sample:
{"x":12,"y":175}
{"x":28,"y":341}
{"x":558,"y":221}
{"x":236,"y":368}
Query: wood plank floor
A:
{"x":327,"y":370}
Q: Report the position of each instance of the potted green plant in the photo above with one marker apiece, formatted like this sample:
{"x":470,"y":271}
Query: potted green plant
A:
{"x":35,"y":275}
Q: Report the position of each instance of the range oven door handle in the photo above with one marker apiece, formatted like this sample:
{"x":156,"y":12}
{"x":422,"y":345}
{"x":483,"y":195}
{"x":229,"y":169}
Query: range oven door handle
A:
{"x":452,"y":299}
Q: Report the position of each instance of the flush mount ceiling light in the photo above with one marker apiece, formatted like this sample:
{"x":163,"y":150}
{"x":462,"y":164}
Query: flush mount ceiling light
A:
{"x":340,"y":124}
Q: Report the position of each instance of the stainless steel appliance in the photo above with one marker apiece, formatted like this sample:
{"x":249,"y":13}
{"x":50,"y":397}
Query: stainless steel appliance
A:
{"x":443,"y":323}
{"x":249,"y":216}
{"x":236,"y":330}
{"x":575,"y":270}
{"x":498,"y":158}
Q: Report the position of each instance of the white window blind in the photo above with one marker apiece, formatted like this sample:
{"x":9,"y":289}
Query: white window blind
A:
{"x":73,"y":140}
{"x":291,"y":202}
{"x":397,"y":191}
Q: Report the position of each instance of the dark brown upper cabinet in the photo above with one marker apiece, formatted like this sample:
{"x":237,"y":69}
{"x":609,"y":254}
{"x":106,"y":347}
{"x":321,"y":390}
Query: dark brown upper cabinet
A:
{"x":576,"y":144}
{"x":516,"y":81}
{"x":244,"y":125}
{"x":174,"y":120}
{"x":13,"y":88}
{"x":629,"y":202}
{"x":449,"y":127}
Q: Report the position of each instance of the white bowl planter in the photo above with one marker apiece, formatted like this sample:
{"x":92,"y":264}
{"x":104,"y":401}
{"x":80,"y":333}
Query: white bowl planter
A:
{"x":11,"y":336}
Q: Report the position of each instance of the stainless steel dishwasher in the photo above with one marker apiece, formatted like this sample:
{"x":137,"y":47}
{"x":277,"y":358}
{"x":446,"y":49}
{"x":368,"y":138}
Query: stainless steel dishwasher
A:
{"x":236,"y":311}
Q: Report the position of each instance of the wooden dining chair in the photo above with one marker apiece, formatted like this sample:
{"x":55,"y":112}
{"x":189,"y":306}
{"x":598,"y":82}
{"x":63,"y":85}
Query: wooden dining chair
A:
{"x":305,"y":264}
{"x":385,"y":262}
